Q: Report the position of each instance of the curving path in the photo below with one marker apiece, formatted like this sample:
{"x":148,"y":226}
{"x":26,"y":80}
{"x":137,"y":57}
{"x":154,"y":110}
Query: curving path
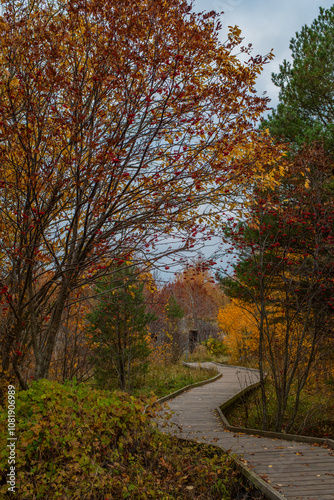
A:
{"x":294,"y":470}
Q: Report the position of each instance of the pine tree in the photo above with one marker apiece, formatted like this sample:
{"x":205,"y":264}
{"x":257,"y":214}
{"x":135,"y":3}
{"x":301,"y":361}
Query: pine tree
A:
{"x":306,"y":99}
{"x":118,"y":329}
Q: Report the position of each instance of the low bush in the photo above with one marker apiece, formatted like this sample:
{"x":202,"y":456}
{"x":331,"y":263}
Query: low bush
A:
{"x":68,"y":438}
{"x":215,"y":347}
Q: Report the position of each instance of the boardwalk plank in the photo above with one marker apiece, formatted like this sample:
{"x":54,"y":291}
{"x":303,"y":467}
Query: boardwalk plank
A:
{"x":309,"y":472}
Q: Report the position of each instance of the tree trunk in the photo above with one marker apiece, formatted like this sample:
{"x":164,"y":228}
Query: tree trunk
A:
{"x":44,"y":353}
{"x":22,"y":382}
{"x":262,"y":374}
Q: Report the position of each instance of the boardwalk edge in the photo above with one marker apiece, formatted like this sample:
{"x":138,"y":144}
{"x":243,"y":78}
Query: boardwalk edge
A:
{"x":187,"y":387}
{"x":269,"y":434}
{"x":234,"y":366}
{"x":250,"y":475}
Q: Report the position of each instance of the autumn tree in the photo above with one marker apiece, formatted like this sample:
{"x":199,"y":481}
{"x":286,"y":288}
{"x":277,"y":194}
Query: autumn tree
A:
{"x":189,"y":301}
{"x":238,"y":329}
{"x":197,"y":293}
{"x":304,"y":116}
{"x":72,"y":353}
{"x":175,"y":337}
{"x":117,"y":121}
{"x":285,"y":274}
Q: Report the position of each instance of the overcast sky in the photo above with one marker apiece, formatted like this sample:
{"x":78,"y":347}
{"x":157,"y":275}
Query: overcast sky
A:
{"x":266,"y":24}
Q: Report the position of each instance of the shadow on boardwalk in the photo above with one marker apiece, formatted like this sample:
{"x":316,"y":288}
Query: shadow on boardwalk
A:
{"x":295,"y":470}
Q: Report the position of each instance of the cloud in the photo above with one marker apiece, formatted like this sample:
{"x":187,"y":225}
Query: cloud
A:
{"x":267,"y":25}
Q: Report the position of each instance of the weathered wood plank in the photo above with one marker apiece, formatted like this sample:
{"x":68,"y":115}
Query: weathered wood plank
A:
{"x":307,"y":468}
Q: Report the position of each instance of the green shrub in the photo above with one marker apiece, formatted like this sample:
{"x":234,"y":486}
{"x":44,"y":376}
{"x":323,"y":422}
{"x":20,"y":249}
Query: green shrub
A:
{"x":118,"y":330}
{"x":69,"y":440}
{"x":215,"y":347}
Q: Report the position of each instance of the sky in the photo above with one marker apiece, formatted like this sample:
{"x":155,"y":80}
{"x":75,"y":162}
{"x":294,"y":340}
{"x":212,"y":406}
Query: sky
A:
{"x":266,"y":24}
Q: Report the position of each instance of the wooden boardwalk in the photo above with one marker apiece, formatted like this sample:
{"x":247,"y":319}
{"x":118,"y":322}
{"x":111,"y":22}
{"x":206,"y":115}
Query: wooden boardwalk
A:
{"x":295,"y":470}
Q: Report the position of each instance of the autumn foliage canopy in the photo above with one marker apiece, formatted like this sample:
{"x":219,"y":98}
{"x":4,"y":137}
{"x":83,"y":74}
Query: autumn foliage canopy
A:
{"x":117,"y":121}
